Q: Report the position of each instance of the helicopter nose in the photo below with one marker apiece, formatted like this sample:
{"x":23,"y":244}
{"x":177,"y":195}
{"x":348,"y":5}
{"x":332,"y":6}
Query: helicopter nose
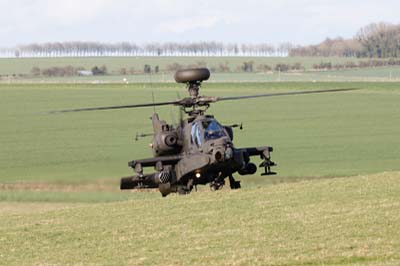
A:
{"x":218,"y":155}
{"x":228,"y":153}
{"x":221,"y":150}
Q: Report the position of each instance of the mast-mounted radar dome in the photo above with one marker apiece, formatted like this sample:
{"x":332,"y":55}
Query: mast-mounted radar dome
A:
{"x":193,"y":75}
{"x":193,"y":78}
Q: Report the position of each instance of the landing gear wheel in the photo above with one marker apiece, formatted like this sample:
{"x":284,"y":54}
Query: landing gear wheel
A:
{"x":183,"y":190}
{"x":215,"y":185}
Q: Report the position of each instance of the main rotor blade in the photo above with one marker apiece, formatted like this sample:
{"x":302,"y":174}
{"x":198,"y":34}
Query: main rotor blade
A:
{"x":189,"y":102}
{"x":115,"y":107}
{"x":280,"y":94}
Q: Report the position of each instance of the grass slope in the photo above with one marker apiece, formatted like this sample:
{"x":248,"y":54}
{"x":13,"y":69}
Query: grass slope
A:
{"x":341,"y":221}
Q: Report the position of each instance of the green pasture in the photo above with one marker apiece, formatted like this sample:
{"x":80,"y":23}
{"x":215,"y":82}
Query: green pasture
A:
{"x":340,"y":221}
{"x":9,"y":66}
{"x":11,"y":69}
{"x":59,"y":174}
{"x":383,"y":74}
{"x":322,"y":135}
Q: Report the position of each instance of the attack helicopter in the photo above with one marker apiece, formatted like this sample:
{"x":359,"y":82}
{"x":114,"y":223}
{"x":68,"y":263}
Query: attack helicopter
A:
{"x":199,"y":150}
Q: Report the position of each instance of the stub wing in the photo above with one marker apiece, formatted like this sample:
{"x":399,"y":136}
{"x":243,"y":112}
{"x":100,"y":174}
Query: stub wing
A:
{"x":263,"y":151}
{"x":265,"y":154}
{"x":137,"y":165}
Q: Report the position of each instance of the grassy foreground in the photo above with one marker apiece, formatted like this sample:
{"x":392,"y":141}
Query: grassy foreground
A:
{"x":341,"y":221}
{"x":60,"y":204}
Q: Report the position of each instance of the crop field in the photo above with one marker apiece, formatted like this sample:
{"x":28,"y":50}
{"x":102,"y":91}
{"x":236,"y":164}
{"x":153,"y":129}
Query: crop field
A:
{"x":334,"y":201}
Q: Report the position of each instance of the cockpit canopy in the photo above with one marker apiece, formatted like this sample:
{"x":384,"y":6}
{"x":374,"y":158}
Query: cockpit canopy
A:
{"x":206,"y":130}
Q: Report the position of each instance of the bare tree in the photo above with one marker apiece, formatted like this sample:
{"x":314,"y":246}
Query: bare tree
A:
{"x":380,"y":40}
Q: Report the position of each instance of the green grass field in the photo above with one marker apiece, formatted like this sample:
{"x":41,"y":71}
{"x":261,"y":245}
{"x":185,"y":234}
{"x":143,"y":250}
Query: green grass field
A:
{"x":23,"y":66}
{"x":314,"y":136}
{"x":59,"y":174}
{"x":9,"y":66}
{"x":382,"y":74}
{"x":342,"y":221}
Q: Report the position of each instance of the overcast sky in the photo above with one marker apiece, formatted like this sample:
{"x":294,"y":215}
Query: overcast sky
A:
{"x":251,"y":21}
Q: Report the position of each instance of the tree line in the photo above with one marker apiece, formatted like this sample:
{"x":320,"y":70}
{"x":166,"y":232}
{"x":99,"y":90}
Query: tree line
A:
{"x":376,"y":40}
{"x":82,"y":49}
{"x":372,"y":63}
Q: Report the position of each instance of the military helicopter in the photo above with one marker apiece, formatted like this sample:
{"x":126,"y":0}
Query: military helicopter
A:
{"x":199,"y":150}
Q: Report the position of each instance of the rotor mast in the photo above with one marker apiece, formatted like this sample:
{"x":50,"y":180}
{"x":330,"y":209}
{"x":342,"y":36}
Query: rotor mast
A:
{"x":195,"y":109}
{"x":193,"y":79}
{"x":193,"y":88}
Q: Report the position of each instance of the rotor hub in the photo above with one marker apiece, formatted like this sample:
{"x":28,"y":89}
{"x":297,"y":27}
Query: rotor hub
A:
{"x":194,"y":88}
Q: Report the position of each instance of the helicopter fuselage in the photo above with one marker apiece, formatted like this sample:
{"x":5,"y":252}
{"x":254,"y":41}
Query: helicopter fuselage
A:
{"x":198,"y":151}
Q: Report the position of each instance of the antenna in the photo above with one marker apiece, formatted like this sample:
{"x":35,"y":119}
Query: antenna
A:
{"x":181,"y":110}
{"x":154,"y":106}
{"x":152,"y":91}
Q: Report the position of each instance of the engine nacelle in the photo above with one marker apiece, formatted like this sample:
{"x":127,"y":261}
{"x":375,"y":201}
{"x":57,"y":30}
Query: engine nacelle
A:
{"x":165,"y":143}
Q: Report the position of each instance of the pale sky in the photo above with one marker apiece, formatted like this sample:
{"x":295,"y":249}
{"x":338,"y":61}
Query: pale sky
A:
{"x":245,"y":21}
